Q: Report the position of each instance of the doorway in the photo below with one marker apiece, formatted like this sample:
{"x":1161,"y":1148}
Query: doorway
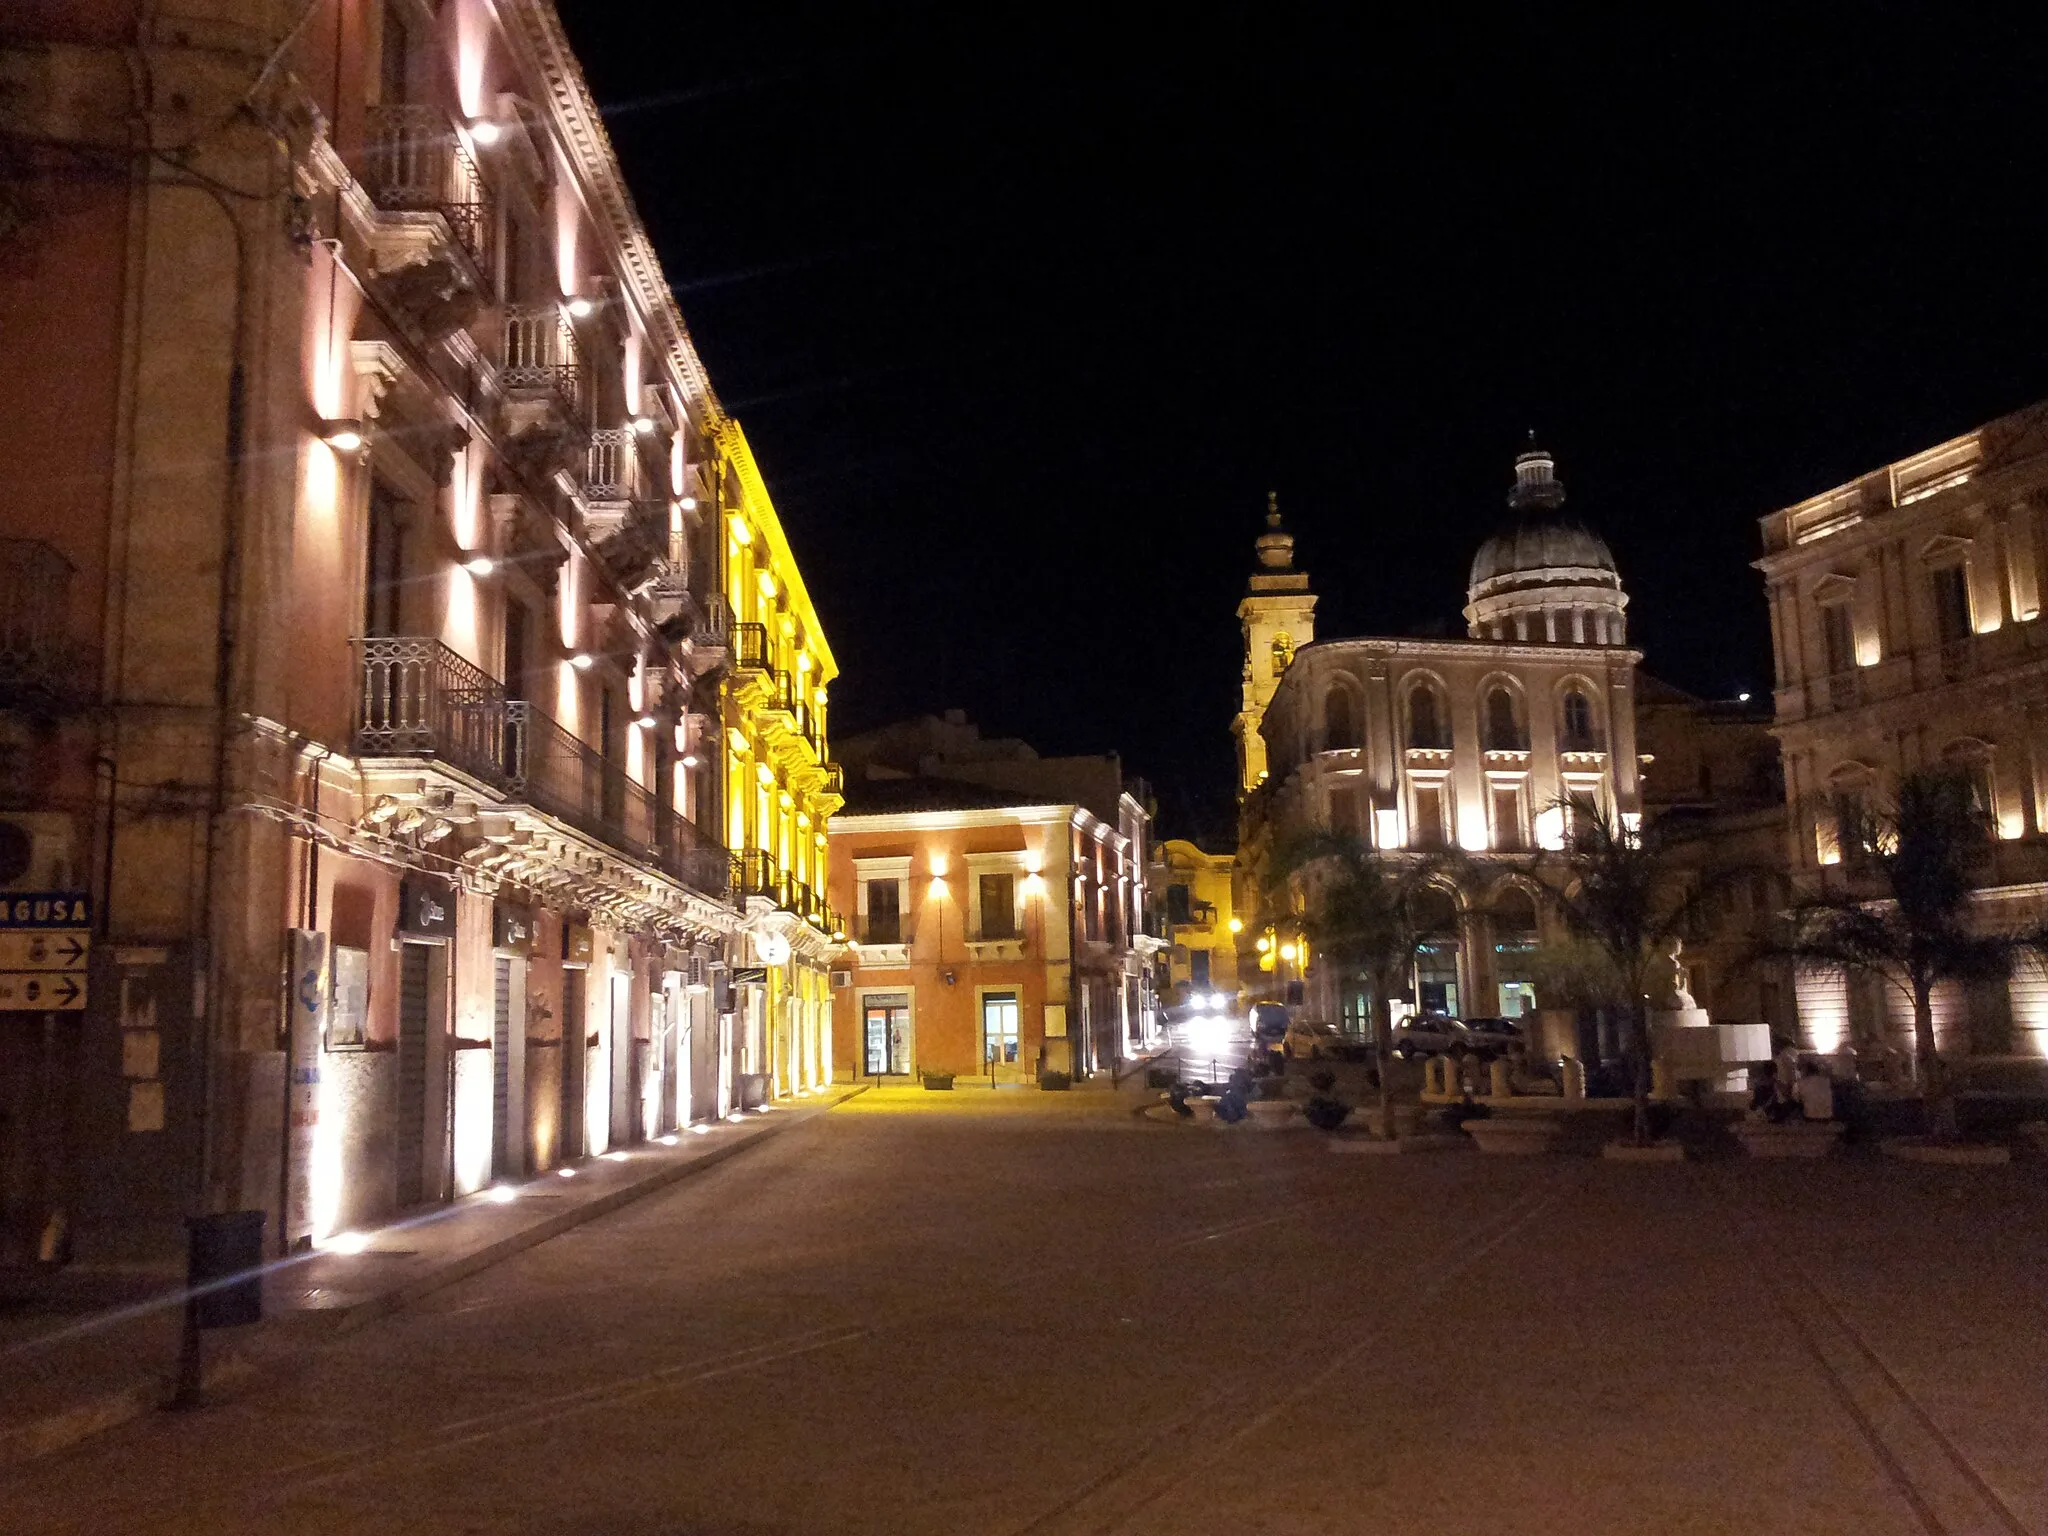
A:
{"x":415,"y":1018}
{"x":999,"y":1014}
{"x":885,"y":1027}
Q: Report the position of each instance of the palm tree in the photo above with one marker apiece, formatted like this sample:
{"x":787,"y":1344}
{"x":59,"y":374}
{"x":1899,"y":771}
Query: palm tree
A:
{"x":1921,"y":852}
{"x":1623,"y":896}
{"x":1367,"y":915}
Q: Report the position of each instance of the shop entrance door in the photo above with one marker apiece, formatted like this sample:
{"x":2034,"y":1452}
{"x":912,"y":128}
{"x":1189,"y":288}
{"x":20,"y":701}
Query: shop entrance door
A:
{"x":886,"y":1028}
{"x":998,"y":1033}
{"x":414,"y":1004}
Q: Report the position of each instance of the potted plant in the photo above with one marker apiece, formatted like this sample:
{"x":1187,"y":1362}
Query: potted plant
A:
{"x":1055,"y":1082}
{"x":937,"y":1082}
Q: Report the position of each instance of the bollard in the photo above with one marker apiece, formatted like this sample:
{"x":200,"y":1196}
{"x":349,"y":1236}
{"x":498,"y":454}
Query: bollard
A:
{"x":1433,"y":1075}
{"x":1663,"y":1081}
{"x":1574,"y":1079}
{"x":1497,"y":1082}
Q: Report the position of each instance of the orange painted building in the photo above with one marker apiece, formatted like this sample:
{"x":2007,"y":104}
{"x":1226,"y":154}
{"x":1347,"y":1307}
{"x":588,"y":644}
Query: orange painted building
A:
{"x":987,"y":938}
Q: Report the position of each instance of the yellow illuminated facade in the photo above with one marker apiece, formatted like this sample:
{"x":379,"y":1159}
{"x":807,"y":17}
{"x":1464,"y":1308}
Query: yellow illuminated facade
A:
{"x":781,"y":786}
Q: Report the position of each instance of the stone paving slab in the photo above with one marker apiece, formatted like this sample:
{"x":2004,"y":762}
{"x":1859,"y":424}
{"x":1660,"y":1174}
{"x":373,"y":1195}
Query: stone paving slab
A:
{"x":82,"y":1351}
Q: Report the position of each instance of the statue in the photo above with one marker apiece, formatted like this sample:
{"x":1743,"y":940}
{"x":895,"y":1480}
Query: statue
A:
{"x":1667,"y":980}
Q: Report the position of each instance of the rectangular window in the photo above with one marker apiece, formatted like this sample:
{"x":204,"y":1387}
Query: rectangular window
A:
{"x":384,"y":579}
{"x":1509,"y":835}
{"x":1429,"y":815}
{"x":1177,"y":904}
{"x":999,"y":906}
{"x":999,"y":1028}
{"x":393,"y":57}
{"x":1344,"y":812}
{"x":1838,"y":637}
{"x":885,"y":913}
{"x":1951,"y":585}
{"x":1198,"y":967}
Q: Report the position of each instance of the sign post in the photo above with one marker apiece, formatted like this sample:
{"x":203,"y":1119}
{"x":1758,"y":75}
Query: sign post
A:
{"x":45,"y":942}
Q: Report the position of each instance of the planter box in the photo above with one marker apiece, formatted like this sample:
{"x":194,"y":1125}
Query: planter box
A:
{"x":1516,"y":1135}
{"x":1955,"y":1153}
{"x":937,"y":1083}
{"x":1655,"y":1152}
{"x":1792,"y":1138}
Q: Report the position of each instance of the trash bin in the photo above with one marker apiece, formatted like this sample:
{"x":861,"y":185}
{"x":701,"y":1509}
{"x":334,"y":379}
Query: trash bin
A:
{"x":225,"y":1268}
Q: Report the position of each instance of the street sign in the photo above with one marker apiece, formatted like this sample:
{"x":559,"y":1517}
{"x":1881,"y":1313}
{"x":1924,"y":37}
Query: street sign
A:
{"x":54,"y":949}
{"x":45,"y":941}
{"x":42,"y":992}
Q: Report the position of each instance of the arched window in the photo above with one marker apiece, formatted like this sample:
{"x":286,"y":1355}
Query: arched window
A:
{"x":1970,"y":760}
{"x":1503,"y":729}
{"x":1426,"y":725}
{"x":1579,"y":735}
{"x":1340,"y":719}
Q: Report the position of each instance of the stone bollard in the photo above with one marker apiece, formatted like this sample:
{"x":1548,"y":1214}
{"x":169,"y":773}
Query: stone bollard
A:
{"x":1497,"y":1082}
{"x":1432,"y":1075}
{"x":1663,"y":1081}
{"x":1574,"y":1080}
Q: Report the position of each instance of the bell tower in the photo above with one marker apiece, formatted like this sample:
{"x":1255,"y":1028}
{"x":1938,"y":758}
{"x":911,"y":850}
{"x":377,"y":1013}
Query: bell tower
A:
{"x":1278,"y":616}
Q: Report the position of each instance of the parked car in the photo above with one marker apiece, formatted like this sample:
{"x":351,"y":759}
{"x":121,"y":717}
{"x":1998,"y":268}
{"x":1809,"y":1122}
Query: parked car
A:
{"x":1488,"y":1038}
{"x":1430,"y":1034}
{"x":1320,"y":1041}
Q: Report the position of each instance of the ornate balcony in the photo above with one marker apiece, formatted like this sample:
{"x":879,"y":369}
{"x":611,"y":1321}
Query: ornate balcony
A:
{"x":414,"y":162}
{"x":421,"y":701}
{"x":542,"y":361}
{"x":751,"y":651}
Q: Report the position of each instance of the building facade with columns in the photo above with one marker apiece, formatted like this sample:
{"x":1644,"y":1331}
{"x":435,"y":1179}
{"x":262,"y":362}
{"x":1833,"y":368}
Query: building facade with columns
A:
{"x":1418,"y":744}
{"x":408,"y":649}
{"x":1906,"y":627}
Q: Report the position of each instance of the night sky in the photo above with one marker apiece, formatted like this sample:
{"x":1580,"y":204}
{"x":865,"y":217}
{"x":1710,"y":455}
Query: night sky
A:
{"x":1024,"y":312}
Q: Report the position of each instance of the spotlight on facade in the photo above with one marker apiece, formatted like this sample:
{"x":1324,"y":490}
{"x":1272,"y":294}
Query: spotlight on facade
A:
{"x":579,"y":307}
{"x":1742,"y":698}
{"x":479,"y":565}
{"x":700,"y":1130}
{"x":688,"y":503}
{"x":1287,"y":951}
{"x":615,"y":1157}
{"x":501,"y":1194}
{"x":1237,"y":925}
{"x":669,"y":1141}
{"x":486,"y":132}
{"x":582,"y":661}
{"x":689,"y":759}
{"x":643,"y":425}
{"x":343,"y":434}
{"x":347,"y":1242}
{"x":647,"y":722}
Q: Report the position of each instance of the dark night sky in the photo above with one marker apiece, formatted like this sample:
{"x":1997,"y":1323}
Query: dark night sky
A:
{"x":1025,"y":311}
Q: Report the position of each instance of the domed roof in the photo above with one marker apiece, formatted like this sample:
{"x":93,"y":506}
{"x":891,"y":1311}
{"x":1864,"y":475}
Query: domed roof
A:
{"x":1547,"y":545}
{"x":1539,"y":539}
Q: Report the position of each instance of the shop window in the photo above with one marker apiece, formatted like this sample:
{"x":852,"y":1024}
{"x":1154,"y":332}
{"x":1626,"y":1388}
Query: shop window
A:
{"x":999,"y":1014}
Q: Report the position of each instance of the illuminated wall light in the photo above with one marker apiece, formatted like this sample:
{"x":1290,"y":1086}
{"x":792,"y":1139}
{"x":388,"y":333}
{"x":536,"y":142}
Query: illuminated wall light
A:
{"x":582,"y":661}
{"x":1264,"y":943}
{"x":766,"y":774}
{"x":643,"y":425}
{"x":1550,"y":829}
{"x":803,"y":820}
{"x":742,"y":535}
{"x":765,"y":580}
{"x":788,"y":802}
{"x":647,"y":722}
{"x":579,"y":307}
{"x":938,"y":864}
{"x":480,"y":565}
{"x":1287,"y":951}
{"x":688,"y":503}
{"x":689,"y":759}
{"x":803,"y":661}
{"x":1472,"y":836}
{"x":2011,"y":825}
{"x":938,"y":887}
{"x":485,"y":131}
{"x":565,"y":1173}
{"x":343,"y":434}
{"x":738,"y":741}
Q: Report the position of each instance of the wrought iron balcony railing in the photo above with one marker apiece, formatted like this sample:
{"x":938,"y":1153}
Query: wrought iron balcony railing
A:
{"x":750,"y":650}
{"x":612,"y":466}
{"x":422,"y":700}
{"x":414,"y":162}
{"x":542,"y":358}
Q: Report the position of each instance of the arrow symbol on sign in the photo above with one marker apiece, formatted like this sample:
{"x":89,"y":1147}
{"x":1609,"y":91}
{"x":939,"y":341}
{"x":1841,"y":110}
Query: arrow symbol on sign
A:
{"x":67,"y":990}
{"x":71,"y":949}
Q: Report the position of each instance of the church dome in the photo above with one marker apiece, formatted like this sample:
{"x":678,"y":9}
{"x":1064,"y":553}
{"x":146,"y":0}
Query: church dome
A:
{"x":1544,"y":577}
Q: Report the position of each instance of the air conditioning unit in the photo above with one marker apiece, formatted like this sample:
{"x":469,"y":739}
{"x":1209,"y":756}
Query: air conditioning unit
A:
{"x":700,"y":971}
{"x":841,"y":980}
{"x":37,"y":852}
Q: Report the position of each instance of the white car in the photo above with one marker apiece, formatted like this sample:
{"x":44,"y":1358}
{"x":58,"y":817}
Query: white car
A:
{"x":1430,"y":1034}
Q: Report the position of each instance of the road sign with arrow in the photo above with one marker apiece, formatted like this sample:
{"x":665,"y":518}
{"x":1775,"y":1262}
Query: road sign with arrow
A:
{"x":45,"y":941}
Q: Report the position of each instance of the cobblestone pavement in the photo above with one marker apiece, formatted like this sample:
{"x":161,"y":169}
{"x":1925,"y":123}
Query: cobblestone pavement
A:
{"x":1000,"y":1317}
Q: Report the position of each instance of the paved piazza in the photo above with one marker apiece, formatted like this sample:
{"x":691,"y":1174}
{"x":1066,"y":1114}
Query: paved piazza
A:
{"x":1024,"y":1313}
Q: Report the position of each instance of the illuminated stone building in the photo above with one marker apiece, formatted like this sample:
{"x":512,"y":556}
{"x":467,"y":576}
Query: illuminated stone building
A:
{"x":401,"y":602}
{"x":992,"y":895}
{"x":1194,"y":895}
{"x":1906,"y":624}
{"x":1473,"y":743}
